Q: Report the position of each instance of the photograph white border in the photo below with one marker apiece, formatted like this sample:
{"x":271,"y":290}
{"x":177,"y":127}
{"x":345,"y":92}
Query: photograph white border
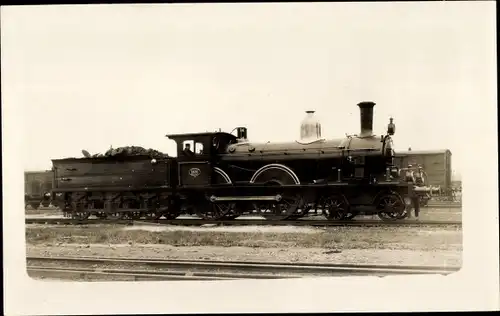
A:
{"x":475,"y":287}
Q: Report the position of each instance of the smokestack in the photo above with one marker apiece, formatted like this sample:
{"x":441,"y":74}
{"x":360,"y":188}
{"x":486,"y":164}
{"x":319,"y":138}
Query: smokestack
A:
{"x":366,"y":114}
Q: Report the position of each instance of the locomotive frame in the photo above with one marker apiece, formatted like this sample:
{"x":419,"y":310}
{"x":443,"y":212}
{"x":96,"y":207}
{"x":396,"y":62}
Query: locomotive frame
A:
{"x":227,"y":176}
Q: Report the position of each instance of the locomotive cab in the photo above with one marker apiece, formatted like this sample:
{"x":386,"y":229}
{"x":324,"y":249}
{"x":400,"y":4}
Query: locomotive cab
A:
{"x":196,"y":156}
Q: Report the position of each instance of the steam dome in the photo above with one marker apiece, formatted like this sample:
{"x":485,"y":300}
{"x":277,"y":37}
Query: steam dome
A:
{"x":310,"y":129}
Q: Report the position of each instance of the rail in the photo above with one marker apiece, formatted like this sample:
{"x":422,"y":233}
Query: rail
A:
{"x":242,"y":222}
{"x":216,"y":270}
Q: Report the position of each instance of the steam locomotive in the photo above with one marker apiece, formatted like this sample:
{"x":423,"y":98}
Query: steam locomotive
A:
{"x":218,"y":175}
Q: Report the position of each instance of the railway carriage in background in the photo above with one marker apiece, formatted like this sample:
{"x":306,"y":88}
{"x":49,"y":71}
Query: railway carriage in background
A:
{"x":37,"y":188}
{"x":437,"y":169}
{"x":222,"y":176}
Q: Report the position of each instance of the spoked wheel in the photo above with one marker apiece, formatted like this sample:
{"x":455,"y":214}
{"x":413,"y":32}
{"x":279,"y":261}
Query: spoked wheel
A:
{"x":154,"y":215}
{"x":281,"y":210}
{"x":277,"y":176}
{"x":215,"y":211}
{"x":101,"y":215}
{"x":115,"y":215}
{"x":80,"y":215}
{"x":34,"y":206}
{"x":130,"y":207}
{"x":233,"y":212}
{"x":80,"y":210}
{"x":171,"y":215}
{"x":336,"y":207}
{"x":155,"y":211}
{"x":391,"y":207}
{"x":135,"y":215}
{"x":301,"y":212}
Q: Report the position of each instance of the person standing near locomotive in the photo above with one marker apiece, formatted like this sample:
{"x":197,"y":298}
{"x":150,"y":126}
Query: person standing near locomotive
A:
{"x":414,"y":198}
{"x":419,"y":176}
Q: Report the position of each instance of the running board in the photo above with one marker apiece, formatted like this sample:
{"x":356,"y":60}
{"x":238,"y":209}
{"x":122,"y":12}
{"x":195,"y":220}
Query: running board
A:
{"x":276,"y":198}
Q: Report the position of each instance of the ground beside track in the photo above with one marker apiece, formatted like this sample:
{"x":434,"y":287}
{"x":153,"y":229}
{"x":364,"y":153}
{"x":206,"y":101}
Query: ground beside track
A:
{"x":381,"y":245}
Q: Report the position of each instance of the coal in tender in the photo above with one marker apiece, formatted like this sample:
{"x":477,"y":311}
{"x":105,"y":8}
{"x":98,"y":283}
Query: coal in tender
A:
{"x":128,"y":151}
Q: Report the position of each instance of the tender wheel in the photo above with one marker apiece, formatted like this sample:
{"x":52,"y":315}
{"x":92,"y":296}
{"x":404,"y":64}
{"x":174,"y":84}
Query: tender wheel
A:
{"x":336,"y":207}
{"x":80,"y":215}
{"x":129,"y":207}
{"x":155,"y":215}
{"x":155,"y":209}
{"x":101,"y":215}
{"x":135,"y":215}
{"x":391,"y":207}
{"x":169,"y":215}
{"x":79,"y":210}
{"x":115,"y":215}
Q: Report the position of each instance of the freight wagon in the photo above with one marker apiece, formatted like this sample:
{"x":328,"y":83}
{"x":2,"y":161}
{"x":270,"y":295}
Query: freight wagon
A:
{"x":435,"y":163}
{"x":37,"y":188}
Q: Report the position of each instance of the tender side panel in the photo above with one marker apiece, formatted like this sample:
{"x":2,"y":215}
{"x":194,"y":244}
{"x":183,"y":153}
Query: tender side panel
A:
{"x":90,"y":167}
{"x":105,"y":174}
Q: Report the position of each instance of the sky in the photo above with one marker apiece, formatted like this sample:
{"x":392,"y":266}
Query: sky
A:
{"x":92,"y":76}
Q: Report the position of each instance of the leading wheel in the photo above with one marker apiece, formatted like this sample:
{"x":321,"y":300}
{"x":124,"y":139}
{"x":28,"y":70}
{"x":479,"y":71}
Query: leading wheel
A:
{"x":336,"y":207}
{"x":391,"y":206}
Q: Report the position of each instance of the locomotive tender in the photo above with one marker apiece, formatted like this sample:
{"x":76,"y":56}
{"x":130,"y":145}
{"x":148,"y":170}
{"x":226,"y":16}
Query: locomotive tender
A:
{"x":225,"y":176}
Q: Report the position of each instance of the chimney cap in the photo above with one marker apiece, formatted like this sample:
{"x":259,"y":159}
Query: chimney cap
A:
{"x":310,"y":111}
{"x":366,"y":104}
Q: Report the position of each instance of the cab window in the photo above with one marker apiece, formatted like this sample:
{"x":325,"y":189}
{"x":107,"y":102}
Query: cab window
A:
{"x":192,"y":148}
{"x":198,"y":148}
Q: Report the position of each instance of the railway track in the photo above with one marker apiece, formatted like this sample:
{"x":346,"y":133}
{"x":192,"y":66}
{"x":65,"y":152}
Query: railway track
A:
{"x":158,"y":269}
{"x":440,"y":206}
{"x":242,"y":222}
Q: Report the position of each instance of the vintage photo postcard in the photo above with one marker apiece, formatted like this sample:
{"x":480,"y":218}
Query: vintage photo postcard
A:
{"x":249,"y":157}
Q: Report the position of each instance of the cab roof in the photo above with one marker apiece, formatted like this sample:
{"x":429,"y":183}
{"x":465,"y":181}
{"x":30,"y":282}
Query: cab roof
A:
{"x":173,"y":136}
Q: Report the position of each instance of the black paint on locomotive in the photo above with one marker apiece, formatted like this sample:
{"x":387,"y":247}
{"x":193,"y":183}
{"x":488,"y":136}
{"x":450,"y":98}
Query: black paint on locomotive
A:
{"x":222,"y":176}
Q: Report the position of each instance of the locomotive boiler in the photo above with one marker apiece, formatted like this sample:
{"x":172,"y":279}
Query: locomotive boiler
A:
{"x":218,"y":175}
